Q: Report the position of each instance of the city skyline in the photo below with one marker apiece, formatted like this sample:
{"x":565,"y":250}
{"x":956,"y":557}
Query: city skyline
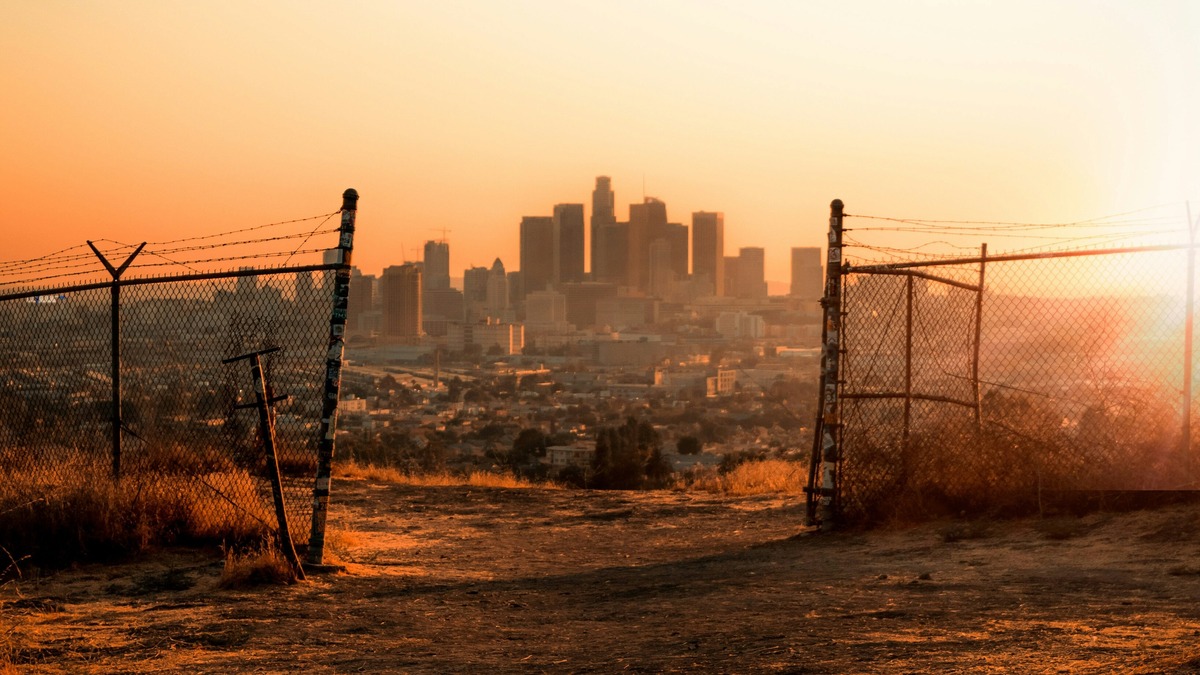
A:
{"x":136,"y":121}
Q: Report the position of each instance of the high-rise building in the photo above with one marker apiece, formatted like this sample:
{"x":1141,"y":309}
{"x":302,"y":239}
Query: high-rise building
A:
{"x":401,"y":287}
{"x":497,"y":303}
{"x":537,"y":252}
{"x":603,"y":213}
{"x":360,"y":302}
{"x":568,"y":233}
{"x":708,"y":249}
{"x":610,"y":248}
{"x":644,"y":219}
{"x":437,"y":265}
{"x":475,"y":293}
{"x":751,"y":274}
{"x":808,"y":279}
{"x":731,"y":275}
{"x":676,"y":235}
{"x":661,"y":282}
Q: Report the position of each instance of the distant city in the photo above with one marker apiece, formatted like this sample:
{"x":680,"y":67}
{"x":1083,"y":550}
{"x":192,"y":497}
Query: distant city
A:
{"x":637,"y":279}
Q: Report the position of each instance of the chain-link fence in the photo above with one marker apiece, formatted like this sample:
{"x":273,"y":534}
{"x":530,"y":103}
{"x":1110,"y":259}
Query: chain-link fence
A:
{"x":990,"y":384}
{"x":180,"y":415}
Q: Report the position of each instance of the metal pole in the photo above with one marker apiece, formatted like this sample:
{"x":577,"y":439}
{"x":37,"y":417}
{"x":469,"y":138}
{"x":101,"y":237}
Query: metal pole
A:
{"x":266,"y":428}
{"x":978,"y":336}
{"x":333,"y":381}
{"x":1186,"y":432}
{"x":115,"y":337}
{"x":908,"y":340}
{"x":830,"y":422}
{"x":116,"y":378}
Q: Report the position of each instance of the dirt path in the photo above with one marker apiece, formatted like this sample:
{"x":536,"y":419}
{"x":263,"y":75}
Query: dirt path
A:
{"x":474,"y":579}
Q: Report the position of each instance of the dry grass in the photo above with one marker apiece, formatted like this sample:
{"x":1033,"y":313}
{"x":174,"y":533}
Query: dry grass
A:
{"x":766,"y":476}
{"x":80,"y":513}
{"x":261,"y":565}
{"x":388,"y":474}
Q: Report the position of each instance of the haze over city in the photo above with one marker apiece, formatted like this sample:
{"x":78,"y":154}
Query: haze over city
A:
{"x":131,"y":119}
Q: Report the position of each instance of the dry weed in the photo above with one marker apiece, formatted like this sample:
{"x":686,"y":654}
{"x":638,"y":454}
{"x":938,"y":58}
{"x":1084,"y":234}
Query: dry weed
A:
{"x":79,"y":512}
{"x":258,"y":566}
{"x":387,"y":474}
{"x":765,"y":476}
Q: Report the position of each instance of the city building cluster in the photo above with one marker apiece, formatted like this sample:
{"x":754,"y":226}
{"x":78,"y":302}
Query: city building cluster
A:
{"x":644,"y":277}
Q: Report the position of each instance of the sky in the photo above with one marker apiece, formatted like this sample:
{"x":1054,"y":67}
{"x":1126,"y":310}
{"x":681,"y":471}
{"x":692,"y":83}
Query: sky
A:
{"x":145,"y":120}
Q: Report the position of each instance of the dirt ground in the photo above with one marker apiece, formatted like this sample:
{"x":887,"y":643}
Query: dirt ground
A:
{"x":466,"y":579}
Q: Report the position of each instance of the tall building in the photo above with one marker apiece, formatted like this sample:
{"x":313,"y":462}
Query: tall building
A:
{"x":537,"y":252}
{"x":751,"y":273}
{"x":360,"y":302}
{"x":497,"y":293}
{"x":731,"y":275}
{"x":568,"y":233}
{"x":661,"y":282}
{"x":808,"y":279}
{"x":401,"y":290}
{"x":708,"y":249}
{"x":603,"y":213}
{"x":437,"y":265}
{"x":475,"y":293}
{"x":644,"y":219}
{"x":610,"y":253}
{"x":676,"y":235}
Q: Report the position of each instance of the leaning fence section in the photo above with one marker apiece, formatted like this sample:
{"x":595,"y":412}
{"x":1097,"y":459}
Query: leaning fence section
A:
{"x":985,"y":383}
{"x":181,"y":419}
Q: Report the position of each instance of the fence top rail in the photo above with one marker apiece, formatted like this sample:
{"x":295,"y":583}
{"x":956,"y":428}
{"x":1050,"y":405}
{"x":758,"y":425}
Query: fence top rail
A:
{"x":975,"y":260}
{"x":174,"y":278}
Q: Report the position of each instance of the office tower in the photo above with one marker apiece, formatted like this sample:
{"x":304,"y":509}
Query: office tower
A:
{"x":610,"y":247}
{"x":708,"y":249}
{"x":644,"y":220}
{"x":731,"y":275}
{"x":497,"y":302}
{"x":475,"y":284}
{"x":603,"y":213}
{"x":661,"y":281}
{"x":437,"y":265}
{"x":401,"y":286}
{"x":361,"y":300}
{"x":568,"y":232}
{"x":582,"y":299}
{"x":808,"y":279}
{"x":751,"y":276}
{"x":537,"y":253}
{"x":676,"y":236}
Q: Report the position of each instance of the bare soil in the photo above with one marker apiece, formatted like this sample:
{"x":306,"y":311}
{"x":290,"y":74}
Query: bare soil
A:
{"x":466,"y":579}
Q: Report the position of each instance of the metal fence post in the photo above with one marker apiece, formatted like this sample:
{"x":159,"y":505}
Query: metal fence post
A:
{"x":978,"y":337}
{"x":829,"y":422}
{"x":115,"y":337}
{"x":908,"y":340}
{"x":333,"y":380}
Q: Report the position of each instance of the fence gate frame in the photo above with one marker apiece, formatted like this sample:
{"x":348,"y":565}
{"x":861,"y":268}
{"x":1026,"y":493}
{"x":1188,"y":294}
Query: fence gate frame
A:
{"x":824,"y":490}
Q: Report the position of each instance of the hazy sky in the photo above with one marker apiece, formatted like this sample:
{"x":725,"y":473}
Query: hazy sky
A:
{"x":128,"y":119}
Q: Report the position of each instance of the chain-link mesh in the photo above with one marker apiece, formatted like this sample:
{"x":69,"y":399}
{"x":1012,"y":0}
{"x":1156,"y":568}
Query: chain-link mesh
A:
{"x":186,"y":426}
{"x":1079,"y":381}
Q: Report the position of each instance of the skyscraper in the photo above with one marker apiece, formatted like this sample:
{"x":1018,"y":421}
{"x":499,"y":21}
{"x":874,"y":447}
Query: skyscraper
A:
{"x":610,"y":247}
{"x":708,"y":249}
{"x":401,"y":290}
{"x":603,"y":213}
{"x":497,"y":291}
{"x":568,"y":232}
{"x":644,"y":219}
{"x":537,"y":252}
{"x":808,"y":279}
{"x":751,"y":274}
{"x":437,"y":265}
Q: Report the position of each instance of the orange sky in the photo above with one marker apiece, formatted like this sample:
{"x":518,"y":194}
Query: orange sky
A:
{"x":127,"y":120}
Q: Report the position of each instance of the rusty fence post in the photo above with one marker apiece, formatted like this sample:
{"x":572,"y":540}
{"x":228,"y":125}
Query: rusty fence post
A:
{"x":263,"y":401}
{"x":823,"y":476}
{"x":333,"y":381}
